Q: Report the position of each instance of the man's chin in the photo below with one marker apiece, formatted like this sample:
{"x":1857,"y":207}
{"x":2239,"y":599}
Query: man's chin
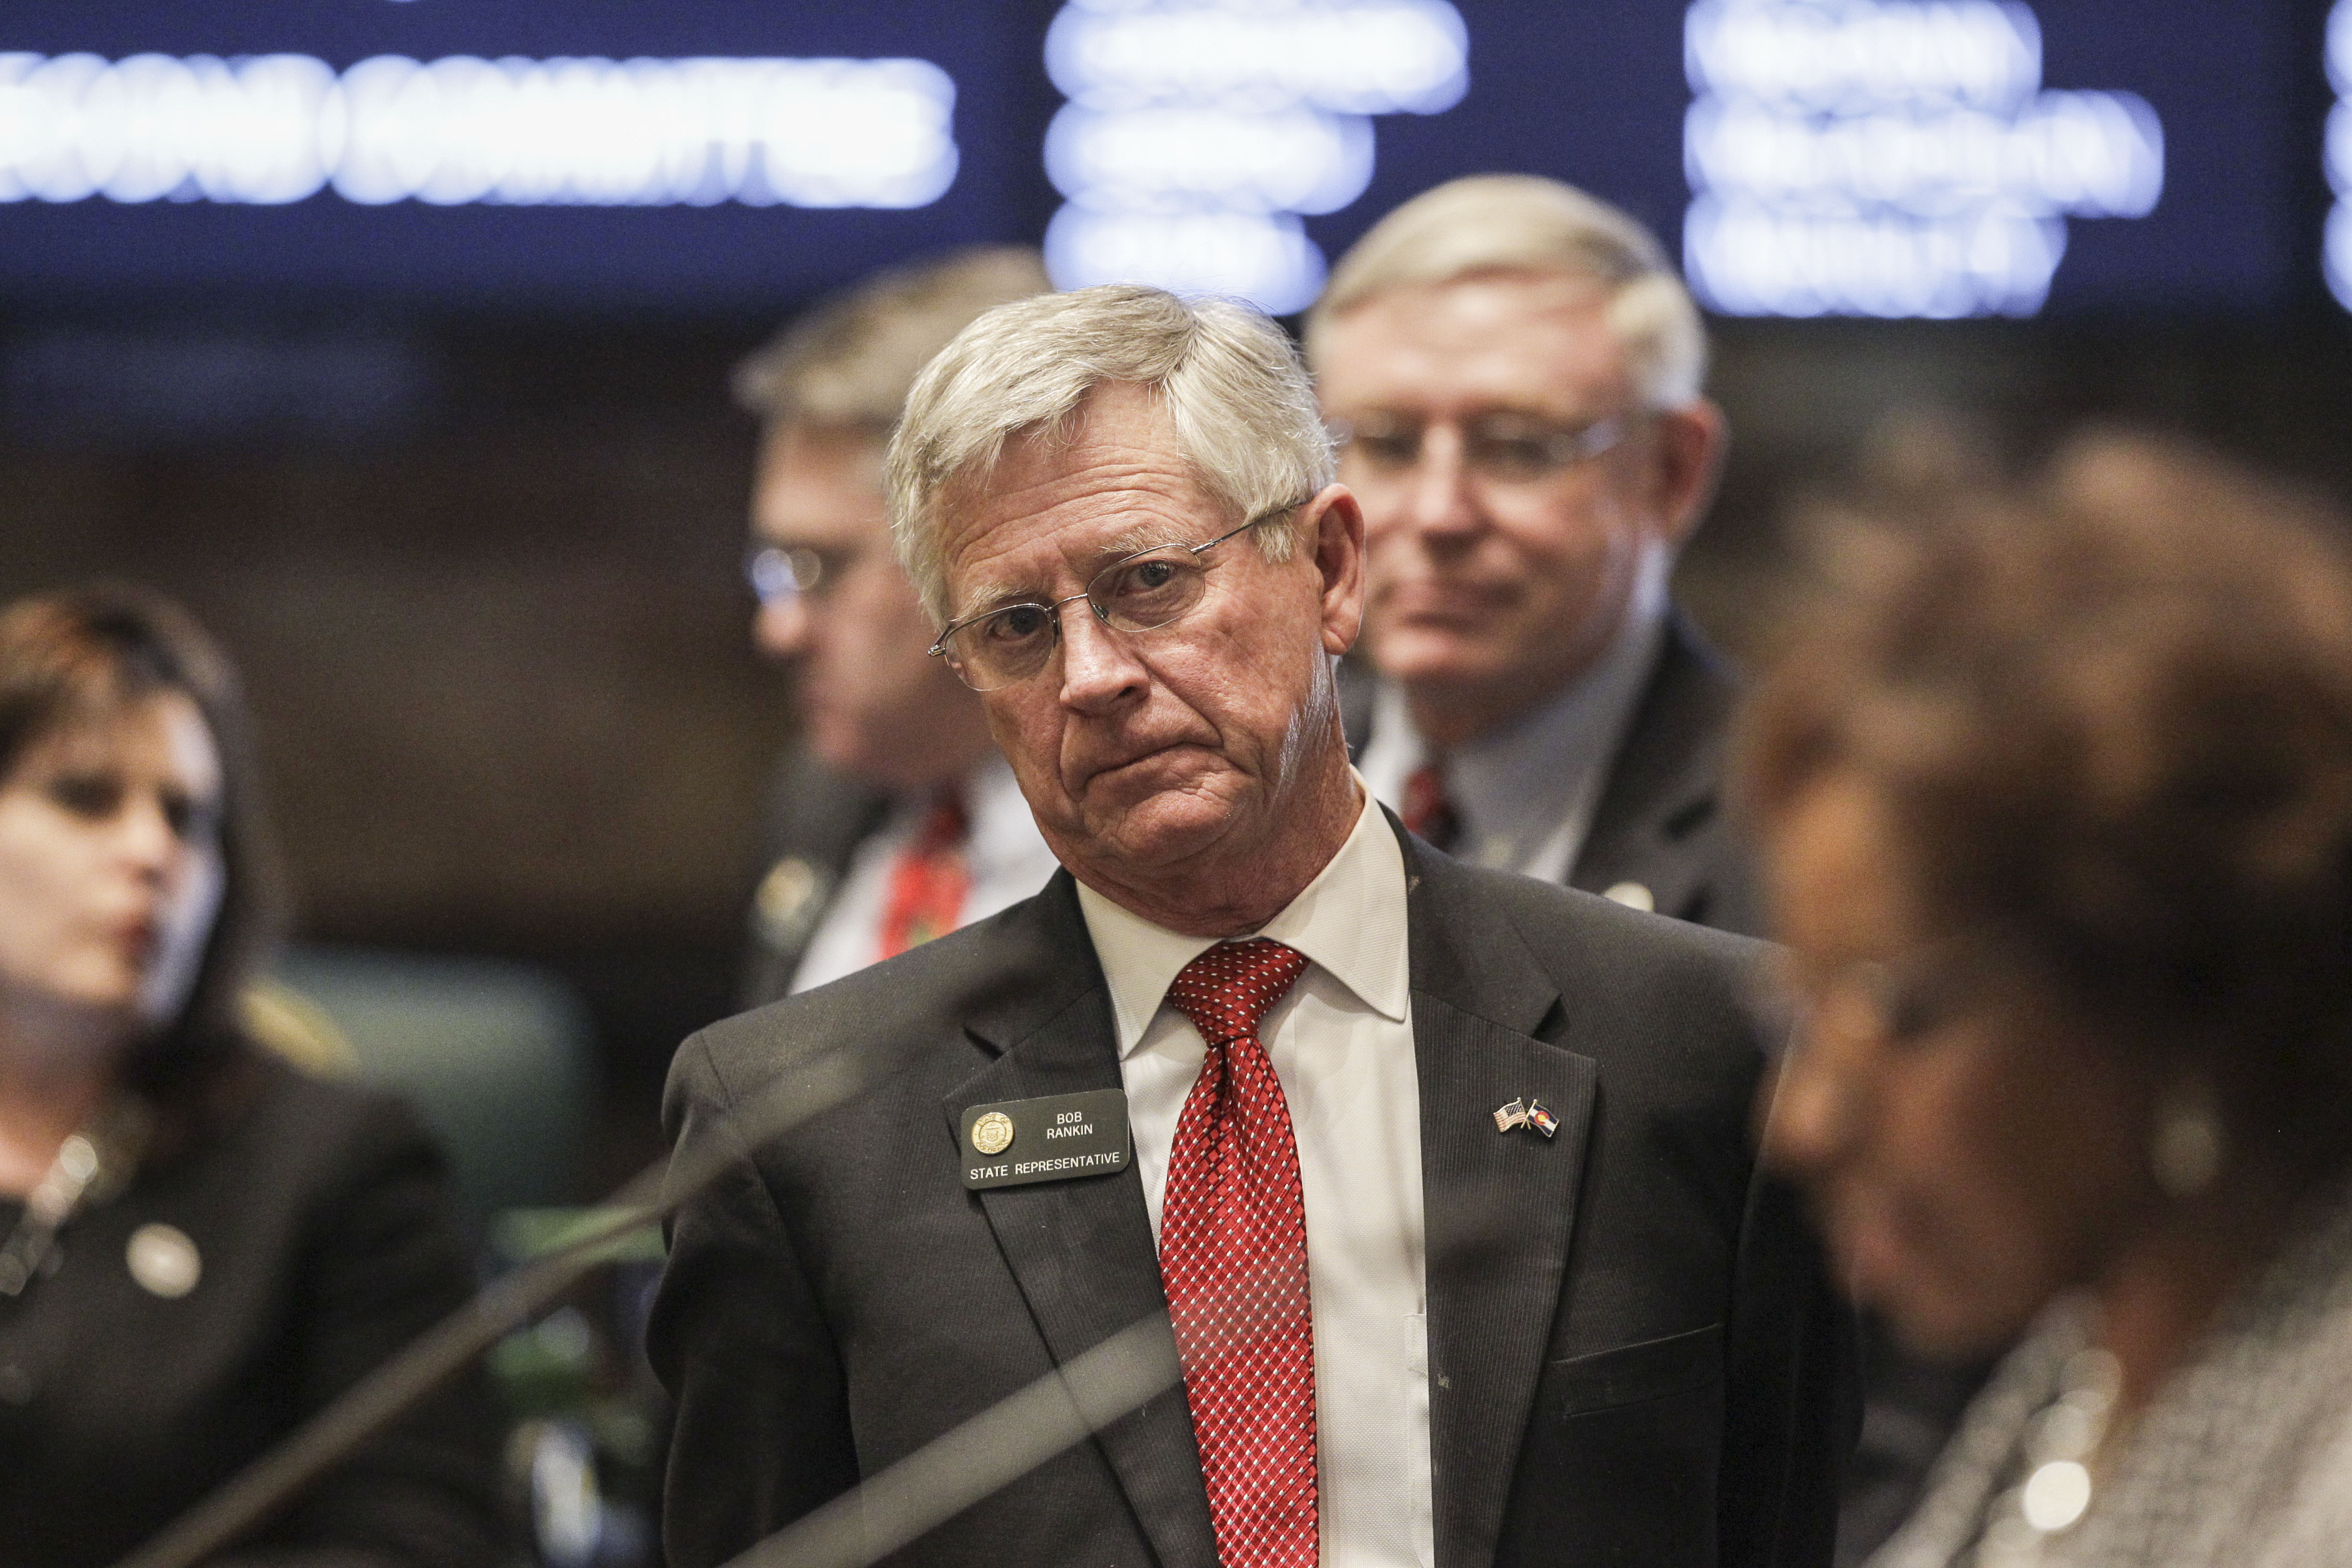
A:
{"x":867,"y":752}
{"x":1438,"y":650}
{"x":1440,"y":662}
{"x":1161,"y":809}
{"x":1177,"y":769}
{"x":837,"y":742}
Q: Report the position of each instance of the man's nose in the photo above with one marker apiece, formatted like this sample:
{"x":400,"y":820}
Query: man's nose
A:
{"x":1099,"y":671}
{"x":1440,"y":500}
{"x":782,"y":627}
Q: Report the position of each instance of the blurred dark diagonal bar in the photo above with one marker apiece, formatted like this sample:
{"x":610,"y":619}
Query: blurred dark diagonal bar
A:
{"x":996,"y":1448}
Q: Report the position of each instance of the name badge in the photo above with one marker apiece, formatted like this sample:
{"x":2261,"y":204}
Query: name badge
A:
{"x":1049,"y":1140}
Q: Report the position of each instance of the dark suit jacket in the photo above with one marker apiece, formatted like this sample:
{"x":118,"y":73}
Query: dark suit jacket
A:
{"x":1632,"y":1357}
{"x":326,"y":1243}
{"x":816,"y":818}
{"x":1660,"y":821}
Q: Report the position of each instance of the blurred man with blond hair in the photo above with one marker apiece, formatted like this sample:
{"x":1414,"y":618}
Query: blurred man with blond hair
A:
{"x":1516,"y":372}
{"x":894,"y":819}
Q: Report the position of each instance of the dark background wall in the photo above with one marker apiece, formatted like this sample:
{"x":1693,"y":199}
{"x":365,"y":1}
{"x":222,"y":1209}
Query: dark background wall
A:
{"x":494,"y":628}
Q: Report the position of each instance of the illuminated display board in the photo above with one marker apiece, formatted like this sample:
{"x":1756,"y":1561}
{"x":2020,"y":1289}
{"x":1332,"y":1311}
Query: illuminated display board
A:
{"x":1854,"y":157}
{"x":542,"y":152}
{"x":2337,"y":259}
{"x":1850,"y":157}
{"x":1198,"y":134}
{"x":1608,"y":97}
{"x":267,"y":129}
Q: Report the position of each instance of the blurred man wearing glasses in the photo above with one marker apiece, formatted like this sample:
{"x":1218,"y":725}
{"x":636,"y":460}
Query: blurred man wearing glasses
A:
{"x":893,"y":819}
{"x":1515,"y":373}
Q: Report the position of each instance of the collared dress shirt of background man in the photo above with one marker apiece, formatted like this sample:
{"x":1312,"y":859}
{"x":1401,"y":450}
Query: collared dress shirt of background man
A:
{"x":1516,"y":373}
{"x":892,"y":818}
{"x":1602,"y":1337}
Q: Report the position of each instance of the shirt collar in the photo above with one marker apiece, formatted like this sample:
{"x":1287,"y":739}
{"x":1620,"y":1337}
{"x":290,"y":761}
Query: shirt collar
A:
{"x":1002,"y":829}
{"x":1350,"y":920}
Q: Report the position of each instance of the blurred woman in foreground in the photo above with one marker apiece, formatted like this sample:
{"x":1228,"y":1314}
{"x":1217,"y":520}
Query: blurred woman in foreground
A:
{"x":199,"y":1247}
{"x":2056,"y":810}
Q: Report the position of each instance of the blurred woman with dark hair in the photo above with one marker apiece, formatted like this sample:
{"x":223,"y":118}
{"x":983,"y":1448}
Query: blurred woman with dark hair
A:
{"x":2055,"y":800}
{"x":198,"y":1246}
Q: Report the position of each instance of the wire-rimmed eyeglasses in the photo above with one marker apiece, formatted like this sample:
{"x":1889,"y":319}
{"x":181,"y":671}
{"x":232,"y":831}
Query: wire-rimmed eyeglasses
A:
{"x":1503,"y":447}
{"x":1138,"y":592}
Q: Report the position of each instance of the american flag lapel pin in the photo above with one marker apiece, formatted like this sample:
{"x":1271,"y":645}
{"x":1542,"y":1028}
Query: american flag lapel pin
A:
{"x":1509,"y":1116}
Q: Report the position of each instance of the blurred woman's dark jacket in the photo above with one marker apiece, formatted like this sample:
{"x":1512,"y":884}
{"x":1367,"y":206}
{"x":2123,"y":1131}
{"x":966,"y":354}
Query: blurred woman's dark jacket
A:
{"x":318,"y":1221}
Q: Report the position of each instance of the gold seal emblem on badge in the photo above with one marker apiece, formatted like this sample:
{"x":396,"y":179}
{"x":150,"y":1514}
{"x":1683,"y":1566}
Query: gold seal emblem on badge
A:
{"x":992,"y":1133}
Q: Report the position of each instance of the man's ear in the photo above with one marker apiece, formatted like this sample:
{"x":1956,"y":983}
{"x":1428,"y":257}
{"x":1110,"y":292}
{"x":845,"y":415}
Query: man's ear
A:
{"x":1687,"y":465}
{"x":1335,"y":525}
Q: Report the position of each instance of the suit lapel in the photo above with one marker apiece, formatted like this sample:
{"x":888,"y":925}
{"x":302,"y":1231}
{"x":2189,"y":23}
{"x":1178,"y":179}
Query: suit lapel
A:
{"x":1081,"y":1250}
{"x":1663,"y":784}
{"x":1499,"y":1207}
{"x":816,"y":818}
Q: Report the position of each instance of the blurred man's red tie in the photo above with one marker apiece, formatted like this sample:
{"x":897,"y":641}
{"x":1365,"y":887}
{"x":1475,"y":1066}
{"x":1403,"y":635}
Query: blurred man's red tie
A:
{"x":929,"y":880}
{"x":1427,"y":811}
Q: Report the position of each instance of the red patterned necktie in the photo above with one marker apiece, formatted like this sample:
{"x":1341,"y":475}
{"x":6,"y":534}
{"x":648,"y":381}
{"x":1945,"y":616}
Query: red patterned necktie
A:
{"x":928,"y":878}
{"x":1427,"y":811}
{"x":1232,"y":1257}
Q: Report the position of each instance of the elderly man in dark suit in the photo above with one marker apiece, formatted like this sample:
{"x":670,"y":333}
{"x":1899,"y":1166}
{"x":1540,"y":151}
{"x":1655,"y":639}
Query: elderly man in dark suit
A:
{"x":1439,"y":1177}
{"x":1517,"y":372}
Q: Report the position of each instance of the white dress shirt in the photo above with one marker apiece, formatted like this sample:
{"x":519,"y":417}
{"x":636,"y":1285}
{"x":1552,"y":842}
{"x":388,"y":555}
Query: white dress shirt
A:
{"x":1525,"y":794}
{"x":1005,"y":855}
{"x":1341,"y":1045}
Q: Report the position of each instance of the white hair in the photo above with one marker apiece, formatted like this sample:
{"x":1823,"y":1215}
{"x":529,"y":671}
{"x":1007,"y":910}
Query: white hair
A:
{"x":850,"y":360}
{"x":1243,"y":413}
{"x":1524,"y":223}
